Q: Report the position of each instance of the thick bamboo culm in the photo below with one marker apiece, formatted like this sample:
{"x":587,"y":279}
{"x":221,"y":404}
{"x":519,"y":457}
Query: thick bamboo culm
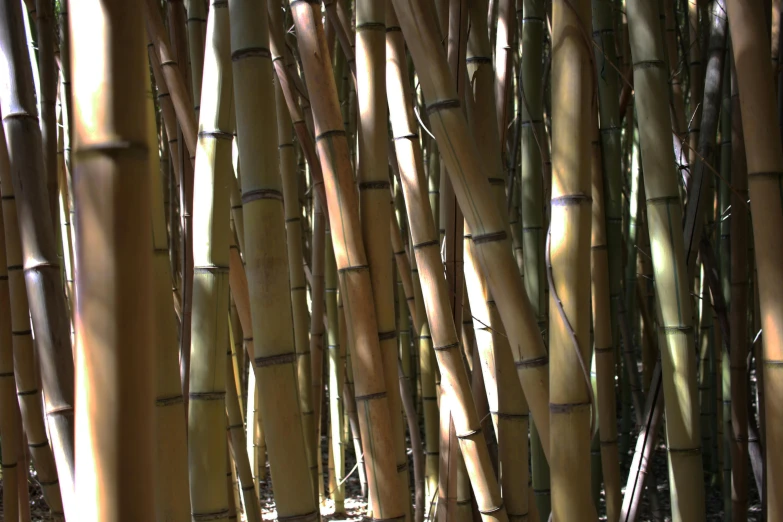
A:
{"x":210,"y":337}
{"x":112,"y":173}
{"x":27,"y":388}
{"x":266,"y":259}
{"x":473,"y":191}
{"x":48,"y":308}
{"x":352,"y":264}
{"x":764,"y":168}
{"x":664,"y":217}
{"x":47,"y":71}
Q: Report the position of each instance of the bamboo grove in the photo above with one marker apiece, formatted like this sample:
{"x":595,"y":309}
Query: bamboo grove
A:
{"x":402,"y":260}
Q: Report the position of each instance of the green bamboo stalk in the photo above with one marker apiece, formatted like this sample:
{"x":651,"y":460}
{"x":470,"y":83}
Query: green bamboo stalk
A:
{"x":42,"y":273}
{"x":664,"y":218}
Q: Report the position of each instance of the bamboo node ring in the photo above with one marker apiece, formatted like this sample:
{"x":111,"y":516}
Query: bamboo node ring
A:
{"x":8,"y":466}
{"x":213,"y":515}
{"x":355,"y":268}
{"x":567,"y":407}
{"x":255,"y":195}
{"x":207,"y":396}
{"x":490,"y":237}
{"x":371,"y":396}
{"x":39,"y":444}
{"x":385,"y":336}
{"x":765,"y":174}
{"x":216,"y":134}
{"x":510,"y":416}
{"x":567,"y":201}
{"x":7,"y":374}
{"x":446,"y":347}
{"x":273,"y":360}
{"x":533,"y":363}
{"x":491,"y":510}
{"x":371,"y":26}
{"x":217,"y":4}
{"x":411,"y":136}
{"x":251,"y":52}
{"x":469,"y":434}
{"x":479,"y":60}
{"x":686,"y":451}
{"x":329,"y":133}
{"x":168,"y":401}
{"x":424,"y":244}
{"x":442,"y":106}
{"x":28,"y":392}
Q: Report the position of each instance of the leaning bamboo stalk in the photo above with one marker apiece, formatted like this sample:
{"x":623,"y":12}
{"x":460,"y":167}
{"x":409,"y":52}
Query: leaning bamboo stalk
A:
{"x":569,"y":277}
{"x":267,"y":260}
{"x":48,"y":308}
{"x":352,"y":263}
{"x":664,"y":217}
{"x":10,"y":421}
{"x":114,"y":320}
{"x":459,"y":151}
{"x":173,"y":500}
{"x":209,"y":328}
{"x":603,"y":343}
{"x":27,"y":388}
{"x":764,"y":167}
{"x":294,"y":231}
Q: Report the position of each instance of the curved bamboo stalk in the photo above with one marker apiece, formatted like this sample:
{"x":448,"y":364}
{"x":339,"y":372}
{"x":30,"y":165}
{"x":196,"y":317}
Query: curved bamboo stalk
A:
{"x":459,"y":152}
{"x":352,"y":263}
{"x":294,"y":231}
{"x":266,"y":259}
{"x":664,"y":217}
{"x":48,"y":308}
{"x":173,"y":499}
{"x":115,"y":323}
{"x":209,"y":328}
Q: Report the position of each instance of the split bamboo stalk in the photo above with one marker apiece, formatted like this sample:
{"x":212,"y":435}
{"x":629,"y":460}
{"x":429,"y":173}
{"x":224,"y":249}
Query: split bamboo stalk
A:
{"x":48,"y":308}
{"x":459,"y":152}
{"x":114,"y":319}
{"x":603,"y":346}
{"x":173,"y":499}
{"x":664,"y":217}
{"x":27,"y":388}
{"x":294,"y":231}
{"x":352,"y":263}
{"x":209,"y":328}
{"x":47,"y":70}
{"x":266,"y":259}
{"x":739,"y":317}
{"x":13,"y":455}
{"x":569,"y":277}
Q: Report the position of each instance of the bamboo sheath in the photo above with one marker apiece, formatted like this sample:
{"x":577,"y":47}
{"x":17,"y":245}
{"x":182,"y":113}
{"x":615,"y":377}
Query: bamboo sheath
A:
{"x":266,"y":259}
{"x":50,"y":317}
{"x":209,"y":328}
{"x":294,"y":231}
{"x":569,"y":278}
{"x":27,"y":388}
{"x":12,"y":455}
{"x":764,"y":166}
{"x":664,"y":217}
{"x":371,"y":392}
{"x":603,"y":346}
{"x":458,"y":150}
{"x":114,"y":352}
{"x":173,"y":500}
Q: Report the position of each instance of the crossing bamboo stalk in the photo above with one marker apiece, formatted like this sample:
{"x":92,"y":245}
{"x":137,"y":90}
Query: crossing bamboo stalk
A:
{"x":459,"y":151}
{"x":266,"y":259}
{"x":209,"y":327}
{"x":48,"y":308}
{"x":664,"y":217}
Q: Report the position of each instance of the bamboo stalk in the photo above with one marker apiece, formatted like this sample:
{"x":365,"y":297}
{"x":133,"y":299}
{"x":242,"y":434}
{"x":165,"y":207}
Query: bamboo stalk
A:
{"x":197,"y":32}
{"x":664,"y":216}
{"x":317,"y":330}
{"x":209,"y":328}
{"x":47,"y":70}
{"x":50,"y":317}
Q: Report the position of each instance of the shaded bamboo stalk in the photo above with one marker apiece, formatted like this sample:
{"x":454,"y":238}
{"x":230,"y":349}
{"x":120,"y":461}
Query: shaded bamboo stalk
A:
{"x":317,"y":332}
{"x":664,"y":217}
{"x":47,"y":71}
{"x":209,"y":328}
{"x":48,"y":308}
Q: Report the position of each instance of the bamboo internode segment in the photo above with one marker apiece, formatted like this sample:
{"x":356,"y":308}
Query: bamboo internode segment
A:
{"x":765,"y":174}
{"x":664,"y":214}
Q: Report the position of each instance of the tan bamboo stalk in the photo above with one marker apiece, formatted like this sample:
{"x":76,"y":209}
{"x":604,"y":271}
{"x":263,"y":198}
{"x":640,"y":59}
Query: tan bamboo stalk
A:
{"x":168,"y":115}
{"x":603,"y":342}
{"x":764,"y":163}
{"x":13,"y":454}
{"x":237,"y":445}
{"x":449,"y":124}
{"x":317,"y":333}
{"x":504,"y":52}
{"x":294,"y":231}
{"x":738,"y":313}
{"x":65,"y":75}
{"x":350,"y":409}
{"x":352,"y":263}
{"x":115,"y":323}
{"x":47,"y":71}
{"x":173,"y":499}
{"x":48,"y":308}
{"x":569,"y":277}
{"x":664,"y":218}
{"x":209,"y":328}
{"x":197,"y":31}
{"x":27,"y":388}
{"x":267,"y":261}
{"x":64,"y":217}
{"x":335,"y":381}
{"x":375,"y":212}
